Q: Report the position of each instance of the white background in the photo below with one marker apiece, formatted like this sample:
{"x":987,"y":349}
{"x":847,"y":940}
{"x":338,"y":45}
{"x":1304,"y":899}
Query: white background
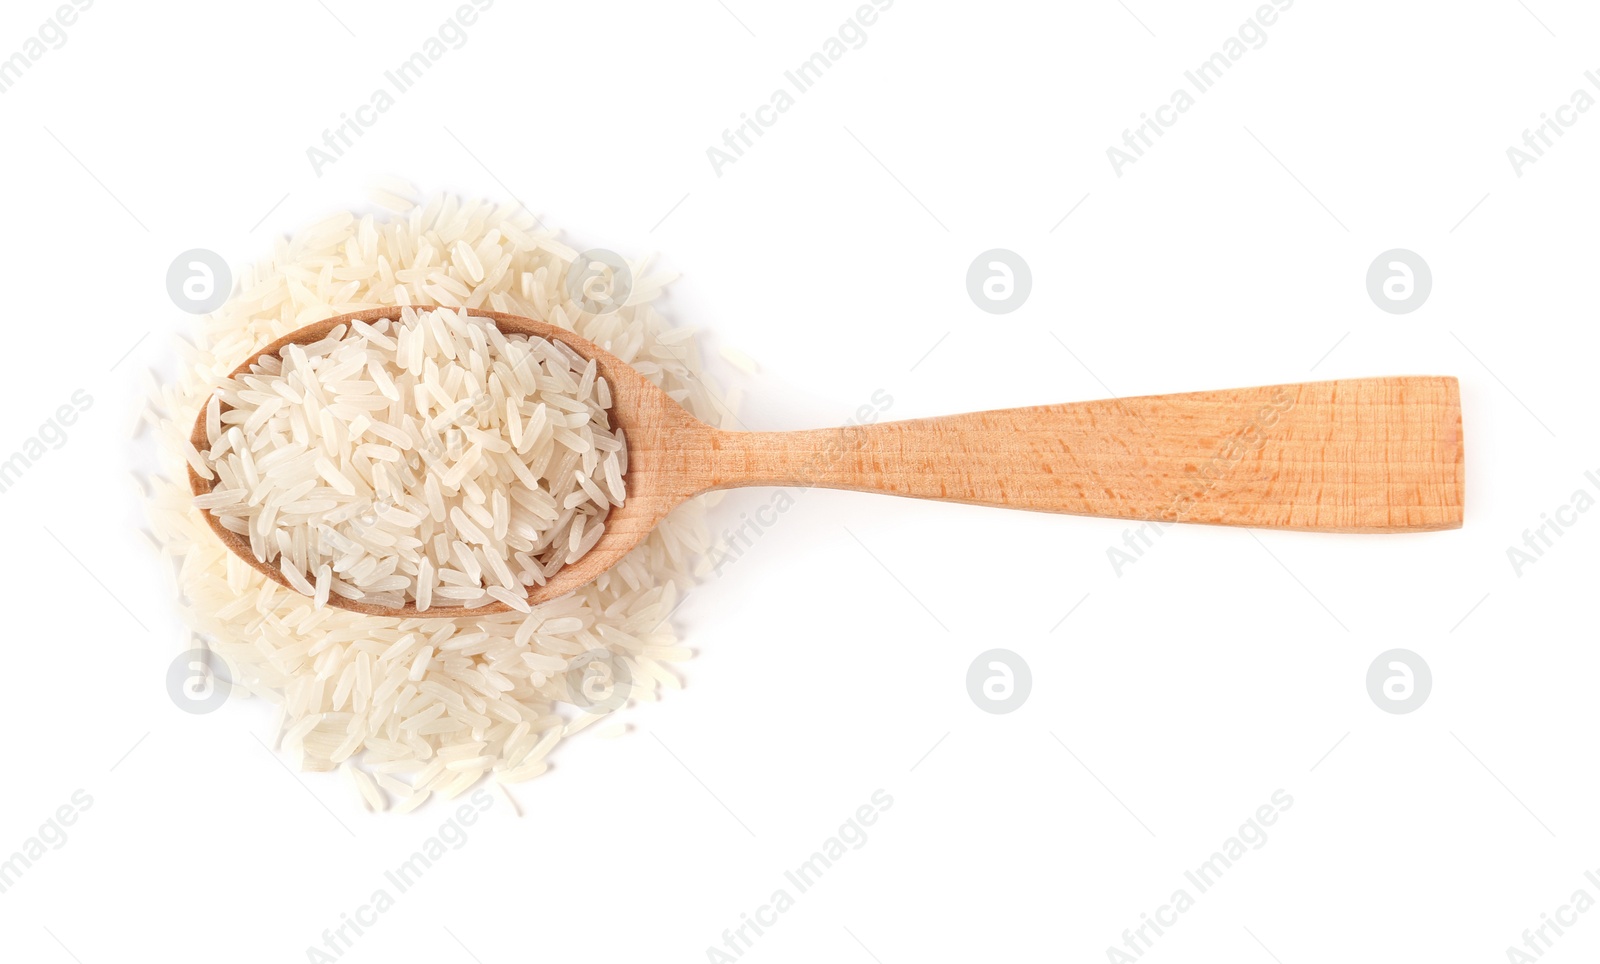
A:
{"x":1171,"y":702}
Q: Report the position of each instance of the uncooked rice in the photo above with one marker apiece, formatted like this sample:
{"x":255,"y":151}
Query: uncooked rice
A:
{"x":432,"y":460}
{"x":425,"y":707}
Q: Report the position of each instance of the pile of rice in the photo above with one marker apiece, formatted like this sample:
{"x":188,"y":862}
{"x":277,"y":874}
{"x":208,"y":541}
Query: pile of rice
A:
{"x":412,"y":707}
{"x":417,"y":461}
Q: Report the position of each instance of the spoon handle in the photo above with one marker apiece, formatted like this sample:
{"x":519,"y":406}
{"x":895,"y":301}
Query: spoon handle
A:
{"x":1358,"y":455}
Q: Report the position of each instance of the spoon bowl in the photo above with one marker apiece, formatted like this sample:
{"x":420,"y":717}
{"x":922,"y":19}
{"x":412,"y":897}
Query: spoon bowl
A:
{"x":1363,"y":455}
{"x":637,"y":405}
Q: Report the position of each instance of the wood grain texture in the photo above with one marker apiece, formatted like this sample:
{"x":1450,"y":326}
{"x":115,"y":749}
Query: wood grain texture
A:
{"x":1358,"y":455}
{"x":1361,"y":455}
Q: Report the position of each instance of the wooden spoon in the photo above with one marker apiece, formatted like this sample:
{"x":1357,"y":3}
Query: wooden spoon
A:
{"x":1356,"y":455}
